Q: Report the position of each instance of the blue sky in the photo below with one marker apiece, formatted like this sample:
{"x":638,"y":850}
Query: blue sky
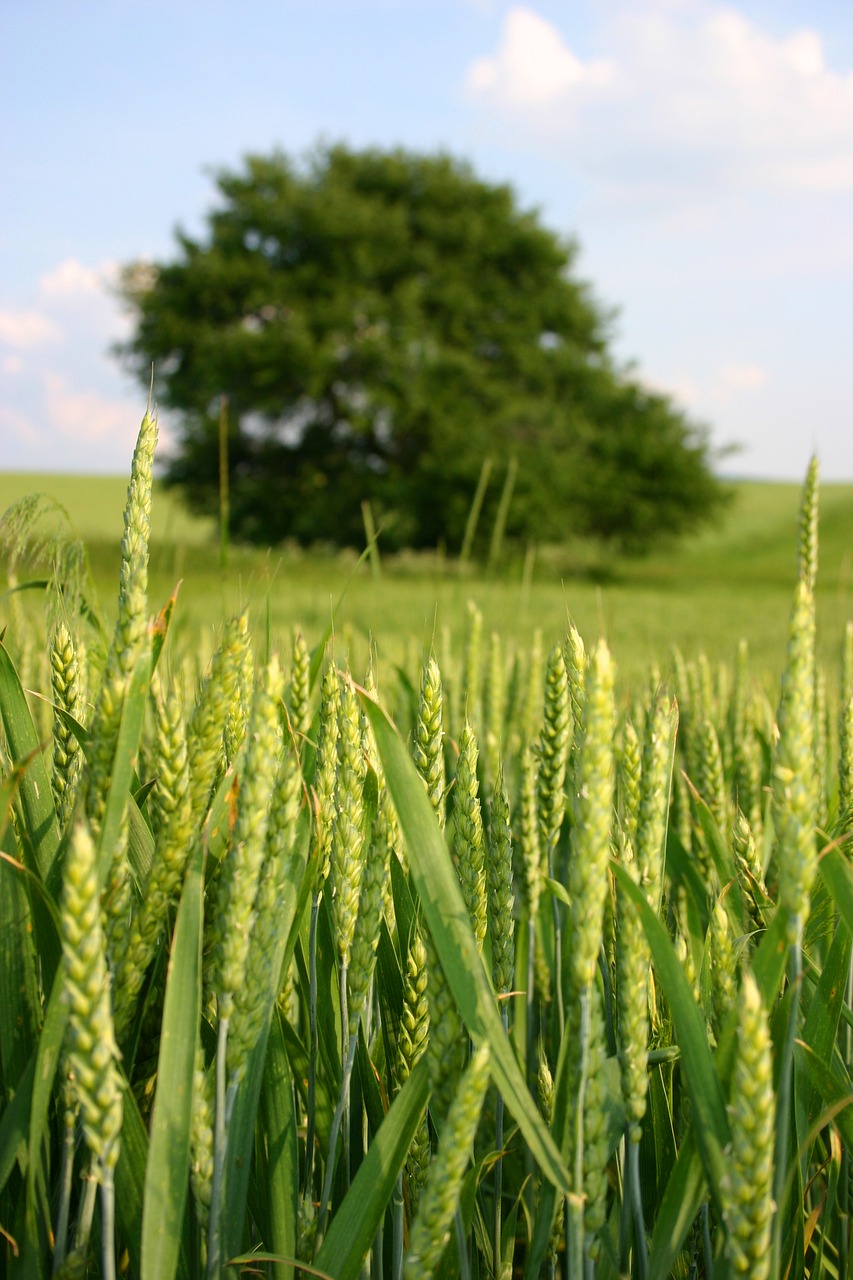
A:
{"x":700,"y":152}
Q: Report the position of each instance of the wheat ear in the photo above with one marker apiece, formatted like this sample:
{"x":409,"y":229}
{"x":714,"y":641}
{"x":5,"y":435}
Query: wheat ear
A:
{"x":468,"y":836}
{"x":92,"y":1049}
{"x":746,"y":1188}
{"x":428,"y":746}
{"x":440,"y":1197}
{"x":68,"y":695}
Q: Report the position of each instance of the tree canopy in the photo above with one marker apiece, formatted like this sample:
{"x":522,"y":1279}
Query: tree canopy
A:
{"x":381,"y":323}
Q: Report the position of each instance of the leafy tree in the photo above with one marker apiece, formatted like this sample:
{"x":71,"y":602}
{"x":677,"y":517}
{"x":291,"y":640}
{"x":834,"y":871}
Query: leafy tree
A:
{"x":381,"y":323}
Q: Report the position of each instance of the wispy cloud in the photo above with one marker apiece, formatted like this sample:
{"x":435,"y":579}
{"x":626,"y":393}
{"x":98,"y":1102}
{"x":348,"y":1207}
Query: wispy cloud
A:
{"x":71,"y":279}
{"x":689,"y":94}
{"x":726,"y":384}
{"x":22,"y":330}
{"x":86,"y":415}
{"x":17,"y":425}
{"x":735,"y":378}
{"x":68,"y":398}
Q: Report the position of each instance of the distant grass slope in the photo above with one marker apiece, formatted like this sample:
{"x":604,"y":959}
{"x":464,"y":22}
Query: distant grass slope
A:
{"x":756,"y":538}
{"x":96,"y":503}
{"x":704,"y":594}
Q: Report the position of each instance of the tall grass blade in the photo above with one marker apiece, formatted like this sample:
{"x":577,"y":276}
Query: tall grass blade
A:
{"x":820,"y":1027}
{"x":371,"y":535}
{"x":686,"y":1188}
{"x":169,"y":1147}
{"x":771,"y":959}
{"x":124,"y":762}
{"x":497,"y":540}
{"x":140,"y":842}
{"x":34,"y":791}
{"x":20,"y":993}
{"x":46,"y":1063}
{"x":356,"y":1221}
{"x":130,"y":1181}
{"x":278,"y":1125}
{"x":474,"y":512}
{"x":837,"y":875}
{"x":15,"y":1124}
{"x":836,"y":1092}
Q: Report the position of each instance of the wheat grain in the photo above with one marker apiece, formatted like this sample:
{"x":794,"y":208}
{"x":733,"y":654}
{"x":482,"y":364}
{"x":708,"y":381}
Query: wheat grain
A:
{"x":552,"y":754}
{"x":808,"y":533}
{"x":205,"y":746}
{"x":174,"y":847}
{"x":241,"y":867}
{"x":654,"y":799}
{"x":68,"y":695}
{"x":632,"y":966}
{"x":300,"y":689}
{"x":588,"y":881}
{"x":428,"y":748}
{"x":501,"y":896}
{"x":794,"y":799}
{"x":347,"y":857}
{"x":326,"y":774}
{"x":431,"y":1231}
{"x":468,"y":836}
{"x":630,"y":766}
{"x":92,"y":1049}
{"x":746,"y":1187}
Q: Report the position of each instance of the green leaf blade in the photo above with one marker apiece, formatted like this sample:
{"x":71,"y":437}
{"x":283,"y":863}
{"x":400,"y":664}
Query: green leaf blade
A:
{"x":703,"y":1083}
{"x":447,"y":917}
{"x":355,"y":1224}
{"x":167,"y":1166}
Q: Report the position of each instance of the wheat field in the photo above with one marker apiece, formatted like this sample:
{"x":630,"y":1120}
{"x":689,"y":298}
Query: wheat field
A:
{"x":459,"y":955}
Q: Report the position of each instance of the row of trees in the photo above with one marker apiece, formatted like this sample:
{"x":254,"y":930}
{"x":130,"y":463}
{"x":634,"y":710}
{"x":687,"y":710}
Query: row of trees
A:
{"x":381,"y":323}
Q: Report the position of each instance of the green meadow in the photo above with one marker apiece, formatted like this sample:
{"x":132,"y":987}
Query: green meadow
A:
{"x":704,"y":594}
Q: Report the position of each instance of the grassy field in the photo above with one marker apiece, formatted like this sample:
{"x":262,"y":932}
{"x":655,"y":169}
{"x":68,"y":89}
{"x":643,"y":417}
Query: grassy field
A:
{"x":277,"y":972}
{"x":730,"y":582}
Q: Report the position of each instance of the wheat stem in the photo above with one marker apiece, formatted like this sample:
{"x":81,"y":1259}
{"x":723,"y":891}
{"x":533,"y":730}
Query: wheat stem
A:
{"x":784,"y":1095}
{"x":108,"y":1204}
{"x":220,"y":1139}
{"x":312,"y":1046}
{"x":331,"y":1160}
{"x":635,"y":1200}
{"x":576,"y":1211}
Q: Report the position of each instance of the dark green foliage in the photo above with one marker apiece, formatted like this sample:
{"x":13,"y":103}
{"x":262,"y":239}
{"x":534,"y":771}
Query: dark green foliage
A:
{"x":381,"y":323}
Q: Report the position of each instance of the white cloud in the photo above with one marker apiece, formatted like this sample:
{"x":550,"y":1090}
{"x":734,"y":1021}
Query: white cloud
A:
{"x":741,"y":377}
{"x":683,"y":389}
{"x":533,"y":66}
{"x":690,"y":94}
{"x":69,"y":398}
{"x":23,"y":329}
{"x":17,"y":425}
{"x":699,"y":392}
{"x":87,"y":416}
{"x":69,"y":284}
{"x":69,"y":278}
